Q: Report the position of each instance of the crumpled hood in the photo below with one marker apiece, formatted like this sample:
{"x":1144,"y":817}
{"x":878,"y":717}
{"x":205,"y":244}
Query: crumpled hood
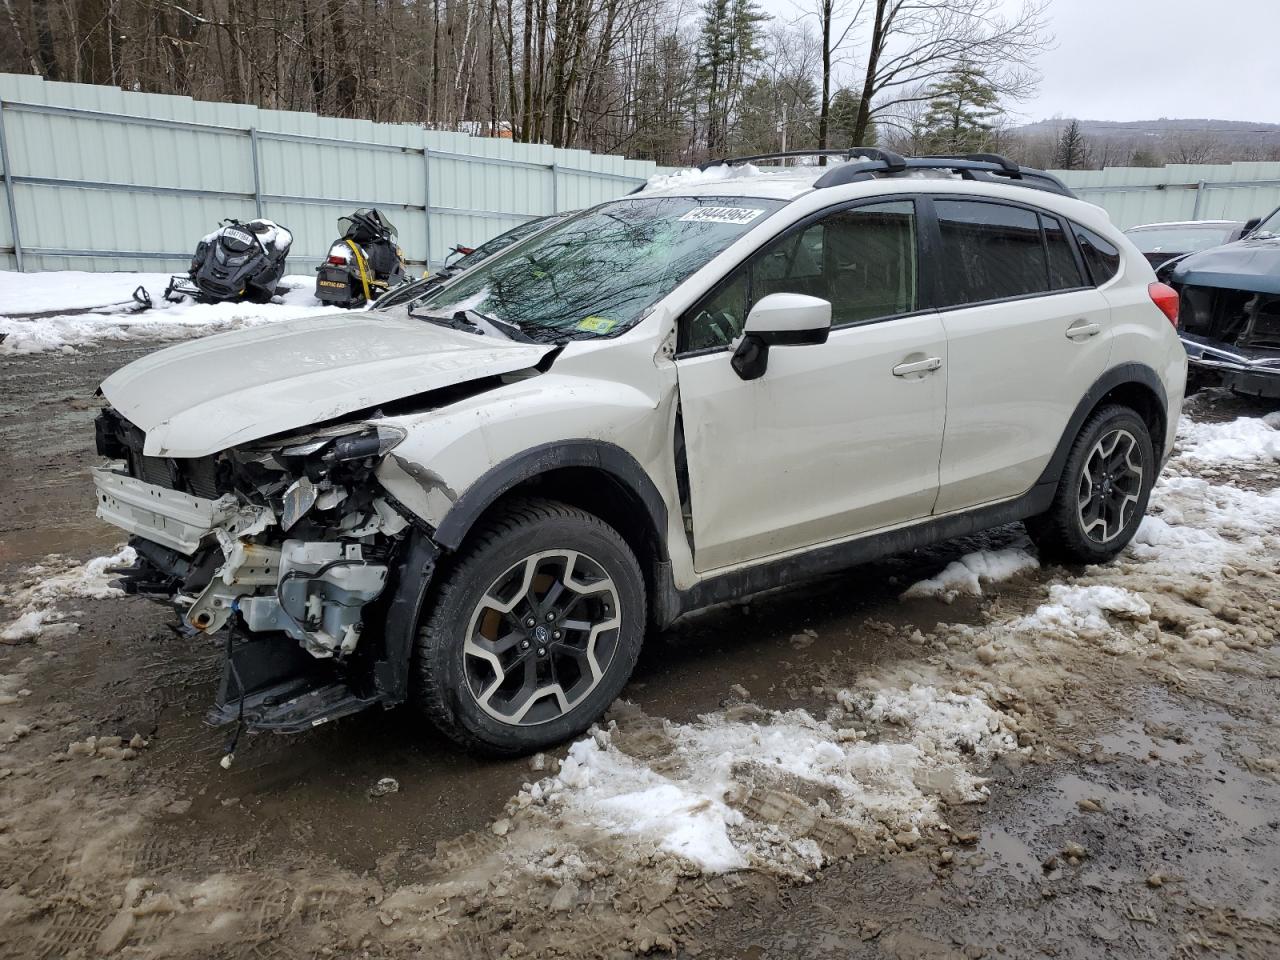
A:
{"x":1248,"y":264}
{"x":206,"y":395}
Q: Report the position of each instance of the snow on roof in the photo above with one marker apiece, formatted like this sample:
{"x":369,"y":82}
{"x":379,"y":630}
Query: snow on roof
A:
{"x":745,"y":180}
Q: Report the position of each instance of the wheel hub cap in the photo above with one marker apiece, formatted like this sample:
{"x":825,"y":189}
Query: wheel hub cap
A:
{"x":541,"y":637}
{"x":1110,"y":486}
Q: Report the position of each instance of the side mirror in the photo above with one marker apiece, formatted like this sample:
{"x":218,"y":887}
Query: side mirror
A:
{"x":1250,"y":225}
{"x":779,"y":320}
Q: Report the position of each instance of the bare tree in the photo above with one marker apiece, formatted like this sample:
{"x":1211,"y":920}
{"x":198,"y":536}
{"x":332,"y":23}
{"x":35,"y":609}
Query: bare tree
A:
{"x":913,"y":43}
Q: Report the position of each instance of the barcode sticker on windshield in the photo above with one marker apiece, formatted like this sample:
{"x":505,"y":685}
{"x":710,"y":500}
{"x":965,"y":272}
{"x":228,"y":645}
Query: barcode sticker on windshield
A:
{"x":722,"y":215}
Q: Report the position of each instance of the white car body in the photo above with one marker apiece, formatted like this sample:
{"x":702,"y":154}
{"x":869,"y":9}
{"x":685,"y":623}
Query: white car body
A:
{"x":938,"y":422}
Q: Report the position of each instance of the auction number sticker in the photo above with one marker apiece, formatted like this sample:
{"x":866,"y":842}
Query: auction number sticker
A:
{"x":722,"y":215}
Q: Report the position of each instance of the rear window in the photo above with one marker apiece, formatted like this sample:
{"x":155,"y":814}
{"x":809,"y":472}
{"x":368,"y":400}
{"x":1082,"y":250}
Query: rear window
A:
{"x":1100,"y":255}
{"x":1183,"y":239}
{"x":991,"y":251}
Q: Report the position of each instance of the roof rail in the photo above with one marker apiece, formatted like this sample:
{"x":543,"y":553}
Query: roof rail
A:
{"x":894,"y":161}
{"x":988,"y":168}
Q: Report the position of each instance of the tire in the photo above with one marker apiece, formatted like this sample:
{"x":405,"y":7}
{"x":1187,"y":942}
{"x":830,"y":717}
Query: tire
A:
{"x":473,"y":658}
{"x":1093,"y":525}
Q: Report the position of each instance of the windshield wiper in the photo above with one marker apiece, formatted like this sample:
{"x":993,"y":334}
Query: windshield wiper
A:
{"x":512,"y":330}
{"x":457,"y":321}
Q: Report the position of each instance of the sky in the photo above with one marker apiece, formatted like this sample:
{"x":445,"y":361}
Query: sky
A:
{"x":1145,"y":59}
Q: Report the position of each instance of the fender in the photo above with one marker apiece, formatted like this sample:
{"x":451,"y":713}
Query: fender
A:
{"x":1117,"y":376}
{"x":595,"y":454}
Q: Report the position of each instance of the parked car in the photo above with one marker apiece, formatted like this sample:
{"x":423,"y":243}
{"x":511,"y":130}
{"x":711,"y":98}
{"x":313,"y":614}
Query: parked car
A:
{"x":1162,"y":242}
{"x":483,"y":499}
{"x":1230,"y":308}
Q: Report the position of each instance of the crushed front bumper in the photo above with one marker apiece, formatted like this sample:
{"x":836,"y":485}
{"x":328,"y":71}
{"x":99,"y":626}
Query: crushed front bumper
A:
{"x":1248,"y":370}
{"x":170,"y":518}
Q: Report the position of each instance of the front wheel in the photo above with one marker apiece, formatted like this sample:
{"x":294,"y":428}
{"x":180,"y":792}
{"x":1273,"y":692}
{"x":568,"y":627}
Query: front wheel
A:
{"x":1103,"y":492}
{"x":533,"y":632}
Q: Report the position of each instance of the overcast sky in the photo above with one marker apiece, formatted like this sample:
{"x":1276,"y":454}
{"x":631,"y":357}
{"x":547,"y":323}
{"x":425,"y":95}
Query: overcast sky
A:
{"x":1144,"y":59}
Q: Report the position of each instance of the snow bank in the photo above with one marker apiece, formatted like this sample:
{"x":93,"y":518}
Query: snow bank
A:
{"x":56,"y":580}
{"x":769,"y":791}
{"x":966,"y":575}
{"x":102,"y":317}
{"x":1246,"y":439}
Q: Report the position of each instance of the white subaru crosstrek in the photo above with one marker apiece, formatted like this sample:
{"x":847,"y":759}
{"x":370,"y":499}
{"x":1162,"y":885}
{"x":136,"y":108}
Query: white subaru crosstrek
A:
{"x":480,"y":500}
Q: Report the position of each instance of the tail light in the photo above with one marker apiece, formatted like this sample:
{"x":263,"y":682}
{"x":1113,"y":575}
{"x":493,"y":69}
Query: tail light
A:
{"x":1166,"y":298}
{"x":465,"y":251}
{"x":337,"y":260}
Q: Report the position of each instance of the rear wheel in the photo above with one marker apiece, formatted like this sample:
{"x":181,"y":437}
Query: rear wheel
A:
{"x":534,"y":630}
{"x":1103,"y":492}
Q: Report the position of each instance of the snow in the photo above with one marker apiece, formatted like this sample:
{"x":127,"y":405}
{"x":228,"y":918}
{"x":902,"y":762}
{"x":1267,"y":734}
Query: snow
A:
{"x":88,"y":308}
{"x":54,"y":581}
{"x":693,"y":177}
{"x":966,"y":575}
{"x":884,"y":778}
{"x":1244,"y":439}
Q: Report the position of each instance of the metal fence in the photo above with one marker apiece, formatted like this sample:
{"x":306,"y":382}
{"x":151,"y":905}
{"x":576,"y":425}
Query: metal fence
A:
{"x":96,"y":178}
{"x":1179,"y":191}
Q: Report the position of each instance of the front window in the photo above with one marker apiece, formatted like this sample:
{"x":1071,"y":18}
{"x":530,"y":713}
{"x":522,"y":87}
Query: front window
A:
{"x":597,"y":274}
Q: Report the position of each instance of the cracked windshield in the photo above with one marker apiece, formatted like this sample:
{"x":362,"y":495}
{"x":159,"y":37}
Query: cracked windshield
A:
{"x":597,"y":274}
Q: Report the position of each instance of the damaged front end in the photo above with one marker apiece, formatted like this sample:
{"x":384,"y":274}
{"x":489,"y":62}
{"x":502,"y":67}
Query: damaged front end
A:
{"x":293,"y":548}
{"x":1229,"y":313}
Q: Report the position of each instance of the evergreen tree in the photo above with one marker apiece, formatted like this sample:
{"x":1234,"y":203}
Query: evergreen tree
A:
{"x":729,"y":46}
{"x":1072,"y":151}
{"x":1142,"y":157}
{"x":844,"y":121}
{"x":962,"y":109}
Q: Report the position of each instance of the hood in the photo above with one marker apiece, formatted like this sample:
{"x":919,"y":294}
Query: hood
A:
{"x":206,"y":395}
{"x":1251,"y":264}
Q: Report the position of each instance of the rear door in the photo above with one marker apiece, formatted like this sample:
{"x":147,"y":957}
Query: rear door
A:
{"x":1027,"y":335}
{"x":836,"y":438}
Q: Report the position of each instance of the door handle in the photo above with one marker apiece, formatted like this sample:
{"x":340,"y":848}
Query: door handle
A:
{"x":928,"y":365}
{"x":1083,"y":330}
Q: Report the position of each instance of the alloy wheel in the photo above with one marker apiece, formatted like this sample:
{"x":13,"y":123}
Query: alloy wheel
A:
{"x":1110,"y":486}
{"x":541,"y":637}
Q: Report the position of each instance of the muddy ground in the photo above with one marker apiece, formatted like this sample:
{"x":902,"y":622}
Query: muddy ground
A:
{"x":1133,"y":811}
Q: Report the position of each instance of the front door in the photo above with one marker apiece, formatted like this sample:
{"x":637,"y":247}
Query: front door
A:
{"x":835,"y":439}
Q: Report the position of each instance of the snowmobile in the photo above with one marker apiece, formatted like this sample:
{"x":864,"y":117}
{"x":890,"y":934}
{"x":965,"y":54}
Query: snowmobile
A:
{"x":238,"y":261}
{"x":363,"y":263}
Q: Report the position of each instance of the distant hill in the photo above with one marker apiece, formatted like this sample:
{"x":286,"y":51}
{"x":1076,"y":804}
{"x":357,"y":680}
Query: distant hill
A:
{"x":1225,"y":132}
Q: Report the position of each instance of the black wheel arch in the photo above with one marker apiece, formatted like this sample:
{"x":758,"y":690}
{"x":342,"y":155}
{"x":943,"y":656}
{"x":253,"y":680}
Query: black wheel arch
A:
{"x":1134,"y":385}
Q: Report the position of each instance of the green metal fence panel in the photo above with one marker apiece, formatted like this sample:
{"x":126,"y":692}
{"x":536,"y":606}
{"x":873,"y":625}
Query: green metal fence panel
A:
{"x":1205,"y":191}
{"x":96,"y":178}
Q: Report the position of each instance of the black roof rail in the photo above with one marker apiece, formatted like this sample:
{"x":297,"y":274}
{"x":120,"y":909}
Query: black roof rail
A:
{"x":894,"y":161}
{"x":971,"y":167}
{"x":1005,"y":163}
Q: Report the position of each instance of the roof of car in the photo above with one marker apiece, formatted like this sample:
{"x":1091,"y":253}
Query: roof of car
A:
{"x":819,"y":169}
{"x":1186,"y":223}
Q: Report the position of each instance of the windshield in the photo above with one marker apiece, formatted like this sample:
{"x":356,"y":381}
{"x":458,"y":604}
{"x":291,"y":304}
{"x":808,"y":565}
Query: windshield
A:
{"x":1269,"y":227}
{"x":598,"y":273}
{"x":1187,"y":238}
{"x":502,"y":241}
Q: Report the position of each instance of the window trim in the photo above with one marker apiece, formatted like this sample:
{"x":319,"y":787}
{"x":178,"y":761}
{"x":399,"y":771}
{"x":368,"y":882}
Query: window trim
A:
{"x":938,"y":269}
{"x":922,"y":293}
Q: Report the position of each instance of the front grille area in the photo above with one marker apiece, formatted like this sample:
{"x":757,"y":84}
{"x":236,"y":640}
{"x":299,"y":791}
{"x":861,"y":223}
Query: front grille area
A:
{"x":121,"y":440}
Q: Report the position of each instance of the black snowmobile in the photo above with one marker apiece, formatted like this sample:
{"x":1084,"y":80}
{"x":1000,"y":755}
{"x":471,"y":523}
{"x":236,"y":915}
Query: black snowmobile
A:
{"x":363,"y":263}
{"x":238,"y":261}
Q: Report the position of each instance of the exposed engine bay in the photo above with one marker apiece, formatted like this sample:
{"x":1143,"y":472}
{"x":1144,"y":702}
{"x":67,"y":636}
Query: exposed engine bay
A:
{"x":293,"y":534}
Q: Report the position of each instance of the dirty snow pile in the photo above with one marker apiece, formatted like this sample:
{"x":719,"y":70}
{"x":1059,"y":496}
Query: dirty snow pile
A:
{"x":966,"y":575}
{"x":63,"y":310}
{"x":47,"y":584}
{"x":1246,"y":439}
{"x":780,"y":791}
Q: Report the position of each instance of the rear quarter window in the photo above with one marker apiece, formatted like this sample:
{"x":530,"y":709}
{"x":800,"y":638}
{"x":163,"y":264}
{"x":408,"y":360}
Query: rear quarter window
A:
{"x":1100,"y":255}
